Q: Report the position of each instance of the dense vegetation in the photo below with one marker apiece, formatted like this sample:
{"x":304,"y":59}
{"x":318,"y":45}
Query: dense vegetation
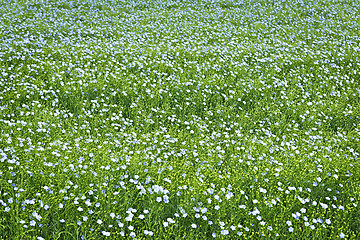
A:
{"x":179,"y":119}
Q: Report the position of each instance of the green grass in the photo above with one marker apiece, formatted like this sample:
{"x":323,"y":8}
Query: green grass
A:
{"x":179,"y":120}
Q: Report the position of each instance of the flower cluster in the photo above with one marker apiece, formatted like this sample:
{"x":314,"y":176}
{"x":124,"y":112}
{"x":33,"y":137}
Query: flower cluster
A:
{"x":199,"y":119}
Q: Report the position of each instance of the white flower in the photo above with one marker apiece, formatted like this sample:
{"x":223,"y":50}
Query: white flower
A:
{"x":325,"y":206}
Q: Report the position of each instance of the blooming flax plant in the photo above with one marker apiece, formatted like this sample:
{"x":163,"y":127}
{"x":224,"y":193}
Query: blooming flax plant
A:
{"x":179,"y":119}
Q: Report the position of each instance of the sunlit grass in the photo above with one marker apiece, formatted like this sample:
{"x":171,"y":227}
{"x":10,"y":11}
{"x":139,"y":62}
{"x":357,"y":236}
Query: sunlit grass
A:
{"x":179,"y":120}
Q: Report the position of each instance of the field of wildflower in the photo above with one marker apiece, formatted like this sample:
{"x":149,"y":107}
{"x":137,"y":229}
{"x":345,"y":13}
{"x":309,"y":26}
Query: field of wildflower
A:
{"x":201,"y":119}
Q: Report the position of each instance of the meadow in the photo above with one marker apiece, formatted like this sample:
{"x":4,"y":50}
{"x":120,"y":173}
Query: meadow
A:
{"x":161,"y":119}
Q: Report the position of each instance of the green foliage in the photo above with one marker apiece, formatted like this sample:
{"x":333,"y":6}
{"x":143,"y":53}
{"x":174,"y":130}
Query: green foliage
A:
{"x":179,"y":120}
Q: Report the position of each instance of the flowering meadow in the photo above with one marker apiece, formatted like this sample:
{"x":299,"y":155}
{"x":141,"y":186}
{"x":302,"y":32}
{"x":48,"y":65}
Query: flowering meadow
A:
{"x":201,"y":119}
